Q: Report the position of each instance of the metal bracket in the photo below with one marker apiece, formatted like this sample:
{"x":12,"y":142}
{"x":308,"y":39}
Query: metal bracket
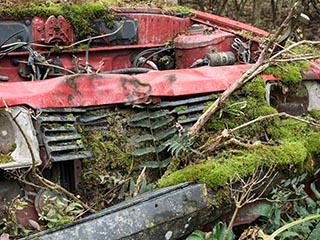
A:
{"x":57,"y":29}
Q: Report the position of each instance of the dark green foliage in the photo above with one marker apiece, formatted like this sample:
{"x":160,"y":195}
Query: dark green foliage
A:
{"x":218,"y":232}
{"x":128,"y":188}
{"x":291,"y":197}
{"x":157,"y":127}
{"x":178,"y":144}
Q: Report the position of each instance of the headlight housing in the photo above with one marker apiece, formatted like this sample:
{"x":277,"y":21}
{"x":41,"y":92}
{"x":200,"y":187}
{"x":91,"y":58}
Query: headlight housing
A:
{"x":19,"y":145}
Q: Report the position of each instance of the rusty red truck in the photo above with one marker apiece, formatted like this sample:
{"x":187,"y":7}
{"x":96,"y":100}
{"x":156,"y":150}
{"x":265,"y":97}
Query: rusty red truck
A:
{"x":55,"y":79}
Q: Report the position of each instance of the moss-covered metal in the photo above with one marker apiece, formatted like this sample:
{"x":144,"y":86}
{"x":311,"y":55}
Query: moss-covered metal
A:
{"x":79,"y":14}
{"x":111,"y":160}
{"x":291,"y":145}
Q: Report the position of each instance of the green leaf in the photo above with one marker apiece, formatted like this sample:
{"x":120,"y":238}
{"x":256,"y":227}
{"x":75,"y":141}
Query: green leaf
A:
{"x":143,"y":124}
{"x":138,"y":117}
{"x":156,"y":164}
{"x":219,"y":231}
{"x":164,"y":134}
{"x":158,"y":114}
{"x":197,"y":235}
{"x":143,"y":151}
{"x":291,"y":224}
{"x":289,"y":235}
{"x":132,"y":185}
{"x":162,"y":122}
{"x":315,"y":233}
{"x":314,"y":190}
{"x":143,"y":138}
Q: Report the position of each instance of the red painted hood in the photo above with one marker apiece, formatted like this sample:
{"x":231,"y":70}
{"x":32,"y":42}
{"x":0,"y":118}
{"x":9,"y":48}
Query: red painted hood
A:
{"x":101,"y":89}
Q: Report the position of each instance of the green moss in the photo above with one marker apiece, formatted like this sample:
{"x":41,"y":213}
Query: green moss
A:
{"x":313,"y":143}
{"x":180,"y":108}
{"x":240,"y":109}
{"x":290,"y":73}
{"x":289,"y":129}
{"x":182,"y":117}
{"x":315,"y":114}
{"x":4,"y":158}
{"x":293,"y":144}
{"x":216,"y":173}
{"x":79,"y":14}
{"x":167,"y":6}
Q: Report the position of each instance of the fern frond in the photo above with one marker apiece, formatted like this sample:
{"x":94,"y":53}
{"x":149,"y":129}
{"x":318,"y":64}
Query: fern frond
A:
{"x":138,"y":117}
{"x":158,"y":114}
{"x":143,"y":151}
{"x":162,"y":135}
{"x":144,"y":138}
{"x":143,"y":124}
{"x":156,"y":164}
{"x":177,"y":143}
{"x":162,"y":122}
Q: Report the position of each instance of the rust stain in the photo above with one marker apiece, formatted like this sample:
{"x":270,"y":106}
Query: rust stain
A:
{"x":172,"y":78}
{"x":70,"y":98}
{"x":134,"y":89}
{"x":72,"y":83}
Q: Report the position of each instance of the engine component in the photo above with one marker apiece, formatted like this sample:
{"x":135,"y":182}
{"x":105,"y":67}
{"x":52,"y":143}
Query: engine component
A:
{"x":18,"y":142}
{"x":242,"y":49}
{"x":220,"y":59}
{"x":198,"y":41}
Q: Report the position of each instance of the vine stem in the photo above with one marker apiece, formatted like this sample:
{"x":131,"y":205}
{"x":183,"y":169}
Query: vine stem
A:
{"x":234,"y":215}
{"x":289,"y":225}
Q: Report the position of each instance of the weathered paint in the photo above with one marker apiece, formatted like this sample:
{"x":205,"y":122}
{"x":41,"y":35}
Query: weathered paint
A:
{"x":101,"y":89}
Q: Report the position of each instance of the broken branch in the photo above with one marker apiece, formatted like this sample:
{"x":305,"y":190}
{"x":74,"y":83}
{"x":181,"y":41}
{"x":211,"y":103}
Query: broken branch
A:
{"x":262,"y":63}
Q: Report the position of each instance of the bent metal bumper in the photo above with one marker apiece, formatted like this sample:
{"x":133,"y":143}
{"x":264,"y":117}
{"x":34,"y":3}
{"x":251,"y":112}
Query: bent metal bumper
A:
{"x":167,"y":213}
